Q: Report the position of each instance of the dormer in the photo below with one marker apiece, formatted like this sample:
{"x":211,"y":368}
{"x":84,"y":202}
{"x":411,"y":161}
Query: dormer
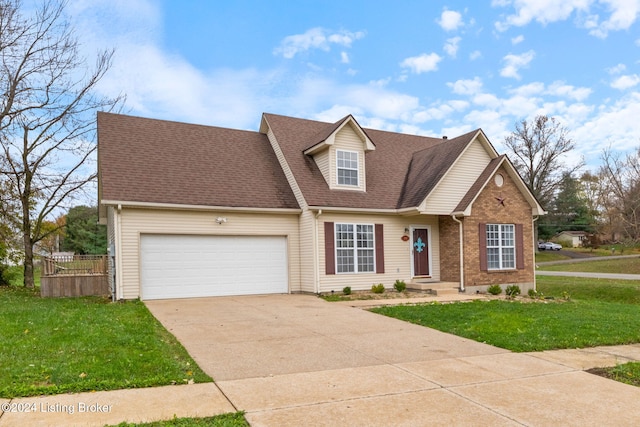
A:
{"x":340,"y":155}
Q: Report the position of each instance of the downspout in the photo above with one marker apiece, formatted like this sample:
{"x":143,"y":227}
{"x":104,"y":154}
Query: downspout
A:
{"x":316,"y":264}
{"x":533,"y":237}
{"x":460,"y":228}
{"x":118,"y":257}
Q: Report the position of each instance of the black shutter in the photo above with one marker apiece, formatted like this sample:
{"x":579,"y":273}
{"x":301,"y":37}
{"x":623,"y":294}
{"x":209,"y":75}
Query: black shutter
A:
{"x":482,"y":237}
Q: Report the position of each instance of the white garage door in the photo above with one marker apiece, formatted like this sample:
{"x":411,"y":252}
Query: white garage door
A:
{"x":199,"y":266}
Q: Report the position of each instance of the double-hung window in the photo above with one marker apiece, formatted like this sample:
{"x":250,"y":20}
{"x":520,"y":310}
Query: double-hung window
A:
{"x":347,"y":167}
{"x":355,"y":248}
{"x":501,"y":247}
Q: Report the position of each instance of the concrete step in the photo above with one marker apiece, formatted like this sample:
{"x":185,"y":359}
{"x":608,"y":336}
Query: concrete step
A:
{"x":434,"y":288}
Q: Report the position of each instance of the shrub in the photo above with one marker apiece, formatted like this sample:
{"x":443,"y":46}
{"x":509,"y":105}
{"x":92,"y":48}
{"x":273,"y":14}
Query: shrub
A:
{"x":346,"y":290}
{"x":377,"y":289}
{"x":400,"y":286}
{"x":532,"y":293}
{"x":494,"y":289}
{"x":512,"y":291}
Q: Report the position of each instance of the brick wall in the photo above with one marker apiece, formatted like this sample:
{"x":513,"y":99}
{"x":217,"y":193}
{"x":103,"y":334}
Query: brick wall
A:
{"x":449,"y":249}
{"x":487,"y":209}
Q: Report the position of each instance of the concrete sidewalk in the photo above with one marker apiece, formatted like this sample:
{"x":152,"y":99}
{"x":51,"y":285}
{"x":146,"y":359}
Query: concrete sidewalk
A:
{"x":298,"y":360}
{"x":615,"y":276}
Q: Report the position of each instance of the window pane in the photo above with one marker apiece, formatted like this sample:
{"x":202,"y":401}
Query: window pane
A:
{"x":355,"y":248}
{"x":508,"y":258}
{"x":345,"y":261}
{"x":493,"y":258}
{"x":365,"y":260}
{"x":501,"y":253}
{"x":347,"y":168}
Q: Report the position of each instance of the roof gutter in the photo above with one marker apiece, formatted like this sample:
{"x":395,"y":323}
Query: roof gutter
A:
{"x":153,"y":205}
{"x":460,"y":232}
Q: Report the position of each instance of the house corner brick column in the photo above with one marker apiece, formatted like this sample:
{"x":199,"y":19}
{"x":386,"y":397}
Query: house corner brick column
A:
{"x":449,"y":249}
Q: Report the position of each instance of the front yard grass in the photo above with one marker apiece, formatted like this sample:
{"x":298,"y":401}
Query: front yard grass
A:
{"x":619,"y":265}
{"x":60,"y":345}
{"x":597,"y":313}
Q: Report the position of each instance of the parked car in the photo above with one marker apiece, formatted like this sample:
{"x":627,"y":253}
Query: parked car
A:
{"x":549,"y":246}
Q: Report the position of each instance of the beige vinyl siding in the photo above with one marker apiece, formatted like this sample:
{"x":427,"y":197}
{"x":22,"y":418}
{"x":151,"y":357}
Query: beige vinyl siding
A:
{"x":322,"y":160}
{"x":397,"y":252}
{"x":308,"y":265}
{"x":347,"y":139}
{"x":135,"y":222}
{"x":286,"y":169}
{"x":455,"y":184}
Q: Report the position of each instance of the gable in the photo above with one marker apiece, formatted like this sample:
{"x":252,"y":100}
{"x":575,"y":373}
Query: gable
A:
{"x":455,"y":184}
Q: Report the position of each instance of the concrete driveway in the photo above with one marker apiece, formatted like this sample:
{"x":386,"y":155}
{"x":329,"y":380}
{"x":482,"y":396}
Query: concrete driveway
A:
{"x":297,"y":360}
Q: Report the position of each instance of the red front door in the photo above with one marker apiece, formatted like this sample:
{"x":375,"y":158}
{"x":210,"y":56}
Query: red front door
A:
{"x":420,"y":248}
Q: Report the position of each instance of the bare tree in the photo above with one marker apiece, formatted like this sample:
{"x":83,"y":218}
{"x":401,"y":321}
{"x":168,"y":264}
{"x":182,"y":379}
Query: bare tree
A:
{"x":621,"y":180}
{"x":47,"y":115}
{"x":538,"y":150}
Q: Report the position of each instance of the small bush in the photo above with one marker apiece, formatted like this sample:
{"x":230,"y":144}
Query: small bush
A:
{"x":346,"y":290}
{"x":494,"y":289}
{"x":512,"y":291}
{"x":377,"y":289}
{"x":532,"y":293}
{"x":400,"y":286}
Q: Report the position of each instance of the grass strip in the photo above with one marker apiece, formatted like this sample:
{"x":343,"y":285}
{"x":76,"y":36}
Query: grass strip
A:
{"x":225,"y":420}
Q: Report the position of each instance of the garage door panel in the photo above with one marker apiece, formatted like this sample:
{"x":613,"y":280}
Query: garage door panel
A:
{"x":196,"y":266}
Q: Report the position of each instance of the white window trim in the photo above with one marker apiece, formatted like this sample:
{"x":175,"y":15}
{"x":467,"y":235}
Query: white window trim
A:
{"x":500,"y":247}
{"x":355,"y":248}
{"x":357,"y":169}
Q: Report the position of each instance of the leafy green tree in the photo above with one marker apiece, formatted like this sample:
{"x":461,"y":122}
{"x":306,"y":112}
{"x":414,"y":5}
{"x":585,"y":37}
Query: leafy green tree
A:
{"x":570,"y":209}
{"x":83,"y":233}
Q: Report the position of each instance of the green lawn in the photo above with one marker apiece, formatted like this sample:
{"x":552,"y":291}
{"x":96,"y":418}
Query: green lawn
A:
{"x":548,"y":256}
{"x":620,"y":265}
{"x":597,"y":313}
{"x":60,"y":345}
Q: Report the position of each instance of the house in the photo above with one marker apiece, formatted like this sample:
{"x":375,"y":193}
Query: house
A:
{"x":306,"y":206}
{"x":572,"y":239}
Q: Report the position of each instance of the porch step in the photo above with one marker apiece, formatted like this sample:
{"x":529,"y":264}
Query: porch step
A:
{"x":434,"y":288}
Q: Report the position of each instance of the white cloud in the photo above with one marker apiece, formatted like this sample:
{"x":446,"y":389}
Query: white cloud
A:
{"x":616,"y":69}
{"x":344,"y":57}
{"x":451,"y":46}
{"x":517,"y":40}
{"x":423,"y":63}
{"x":315,"y":38}
{"x":623,"y":14}
{"x":513,"y":64}
{"x":542,"y":11}
{"x":450,"y":20}
{"x":476,"y":54}
{"x":466,"y":86}
{"x":563,"y":90}
{"x":625,"y":82}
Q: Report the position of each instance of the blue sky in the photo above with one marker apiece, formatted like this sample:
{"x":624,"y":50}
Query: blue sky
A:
{"x":423,"y":67}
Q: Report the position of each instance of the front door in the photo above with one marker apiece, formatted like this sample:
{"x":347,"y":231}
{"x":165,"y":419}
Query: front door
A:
{"x":420,"y":250}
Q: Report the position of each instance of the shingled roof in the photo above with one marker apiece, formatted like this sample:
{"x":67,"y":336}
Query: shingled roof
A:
{"x":158,"y":161}
{"x":399,"y":172}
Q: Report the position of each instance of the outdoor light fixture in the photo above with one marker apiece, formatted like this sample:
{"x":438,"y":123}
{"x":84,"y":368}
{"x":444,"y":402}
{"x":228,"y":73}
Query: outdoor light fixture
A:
{"x":221,"y":220}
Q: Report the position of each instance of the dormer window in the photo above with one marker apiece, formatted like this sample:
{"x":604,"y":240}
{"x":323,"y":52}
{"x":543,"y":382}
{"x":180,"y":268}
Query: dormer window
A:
{"x":347,"y":166}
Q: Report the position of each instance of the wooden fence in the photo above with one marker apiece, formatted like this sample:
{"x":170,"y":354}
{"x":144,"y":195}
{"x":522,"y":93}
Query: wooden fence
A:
{"x":72,"y":276}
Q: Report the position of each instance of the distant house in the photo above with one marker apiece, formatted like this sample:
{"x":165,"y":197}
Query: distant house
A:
{"x":306,"y":206}
{"x":572,"y":239}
